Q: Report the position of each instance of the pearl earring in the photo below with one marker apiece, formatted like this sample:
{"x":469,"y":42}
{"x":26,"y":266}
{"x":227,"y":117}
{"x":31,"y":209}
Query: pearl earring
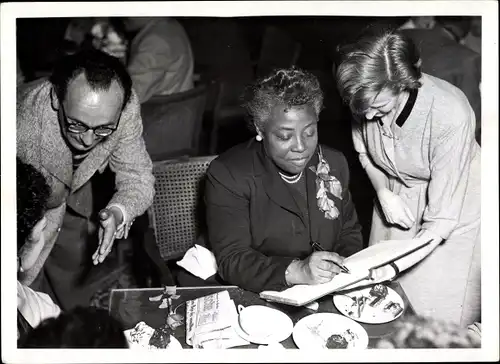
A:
{"x":20,"y":265}
{"x":258,"y":138}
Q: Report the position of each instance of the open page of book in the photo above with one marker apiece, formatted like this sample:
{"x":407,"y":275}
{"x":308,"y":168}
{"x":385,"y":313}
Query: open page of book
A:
{"x":382,"y":253}
{"x":302,"y":294}
{"x":359,"y":265}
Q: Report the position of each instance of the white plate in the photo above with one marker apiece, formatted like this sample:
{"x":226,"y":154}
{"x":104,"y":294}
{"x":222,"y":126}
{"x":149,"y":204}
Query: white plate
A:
{"x":369,"y":314}
{"x":313,"y":331}
{"x":262,"y":325}
{"x":144,"y":341}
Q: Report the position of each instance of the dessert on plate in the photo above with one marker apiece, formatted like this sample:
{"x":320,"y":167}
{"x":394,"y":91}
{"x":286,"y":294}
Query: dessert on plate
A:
{"x":336,"y":342}
{"x":160,"y":338}
{"x":379,"y":291}
{"x":394,"y":308}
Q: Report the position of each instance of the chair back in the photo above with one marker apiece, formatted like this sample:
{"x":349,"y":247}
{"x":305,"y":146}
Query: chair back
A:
{"x":228,"y":111}
{"x":278,"y":50}
{"x":172,"y":123}
{"x":177,"y":213}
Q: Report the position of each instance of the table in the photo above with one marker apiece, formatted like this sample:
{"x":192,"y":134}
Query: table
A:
{"x":131,"y":306}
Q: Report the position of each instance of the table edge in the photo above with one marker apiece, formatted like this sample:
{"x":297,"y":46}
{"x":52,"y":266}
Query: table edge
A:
{"x":177,"y":288}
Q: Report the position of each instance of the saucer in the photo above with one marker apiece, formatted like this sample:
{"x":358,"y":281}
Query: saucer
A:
{"x":314,"y":331}
{"x":262,"y":325}
{"x":374,"y":311}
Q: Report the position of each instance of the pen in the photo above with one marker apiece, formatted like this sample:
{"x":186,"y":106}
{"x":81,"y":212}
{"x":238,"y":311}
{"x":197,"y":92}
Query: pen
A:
{"x":318,"y":247}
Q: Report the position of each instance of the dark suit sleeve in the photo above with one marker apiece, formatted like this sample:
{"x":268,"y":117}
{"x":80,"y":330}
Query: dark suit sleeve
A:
{"x":228,"y":222}
{"x":350,"y":239}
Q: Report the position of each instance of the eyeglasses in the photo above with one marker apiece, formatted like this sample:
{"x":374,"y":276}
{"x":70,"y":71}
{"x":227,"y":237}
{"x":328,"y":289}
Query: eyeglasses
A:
{"x":79,"y":128}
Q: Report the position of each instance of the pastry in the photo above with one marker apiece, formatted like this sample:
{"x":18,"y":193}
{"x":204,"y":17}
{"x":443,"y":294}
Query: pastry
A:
{"x":379,"y":291}
{"x":336,"y":342}
{"x":160,"y":338}
{"x":393,"y":307}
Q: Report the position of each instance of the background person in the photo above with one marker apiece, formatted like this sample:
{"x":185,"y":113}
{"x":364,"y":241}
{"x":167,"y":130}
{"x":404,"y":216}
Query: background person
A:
{"x":160,"y":58}
{"x":444,"y":56}
{"x":32,"y":193}
{"x":419,"y":22}
{"x":473,"y":38}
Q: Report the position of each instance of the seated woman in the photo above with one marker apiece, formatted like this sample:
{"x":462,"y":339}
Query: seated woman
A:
{"x":32,"y":195}
{"x":279,"y":210}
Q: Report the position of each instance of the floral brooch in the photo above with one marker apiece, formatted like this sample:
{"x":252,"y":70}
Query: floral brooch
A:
{"x":327,"y":186}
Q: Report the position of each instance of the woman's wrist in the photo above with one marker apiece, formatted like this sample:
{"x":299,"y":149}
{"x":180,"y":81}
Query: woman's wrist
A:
{"x":382,"y":191}
{"x":376,"y":176}
{"x":428,"y":235}
{"x":292,"y":273}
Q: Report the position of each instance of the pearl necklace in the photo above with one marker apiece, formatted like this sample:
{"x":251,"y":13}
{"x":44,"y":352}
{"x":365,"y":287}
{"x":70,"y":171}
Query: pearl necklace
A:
{"x":292,"y":179}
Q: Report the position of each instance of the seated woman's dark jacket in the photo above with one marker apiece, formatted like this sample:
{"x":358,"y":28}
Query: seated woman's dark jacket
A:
{"x":255,"y":227}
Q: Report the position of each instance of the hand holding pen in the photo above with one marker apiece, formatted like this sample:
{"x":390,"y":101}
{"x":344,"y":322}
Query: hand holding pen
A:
{"x":319,"y":248}
{"x":319,"y":267}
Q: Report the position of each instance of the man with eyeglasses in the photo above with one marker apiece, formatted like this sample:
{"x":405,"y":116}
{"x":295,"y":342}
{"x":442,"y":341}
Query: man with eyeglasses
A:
{"x":72,"y":127}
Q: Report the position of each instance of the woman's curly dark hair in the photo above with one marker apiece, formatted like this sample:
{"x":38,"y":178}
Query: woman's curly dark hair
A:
{"x":290,"y":86}
{"x":32,"y":193}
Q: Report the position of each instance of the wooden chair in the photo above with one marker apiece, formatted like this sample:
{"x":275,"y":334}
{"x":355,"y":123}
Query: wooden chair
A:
{"x":172,"y":123}
{"x":176,"y":216}
{"x":227,"y":111}
{"x":278,"y":50}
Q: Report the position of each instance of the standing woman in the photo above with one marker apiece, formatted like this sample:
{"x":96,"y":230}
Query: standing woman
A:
{"x":415,"y":137}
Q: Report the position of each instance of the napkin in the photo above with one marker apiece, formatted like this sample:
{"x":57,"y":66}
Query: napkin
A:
{"x":199,"y":261}
{"x":139,"y":335}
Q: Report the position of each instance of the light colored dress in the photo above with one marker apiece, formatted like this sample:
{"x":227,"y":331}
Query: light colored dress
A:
{"x":432,"y":161}
{"x":35,"y":306}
